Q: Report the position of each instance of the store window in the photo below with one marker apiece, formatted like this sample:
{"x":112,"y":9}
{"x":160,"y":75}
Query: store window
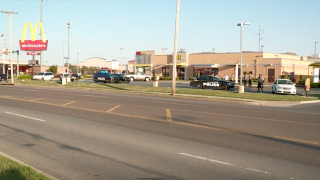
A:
{"x":165,"y":72}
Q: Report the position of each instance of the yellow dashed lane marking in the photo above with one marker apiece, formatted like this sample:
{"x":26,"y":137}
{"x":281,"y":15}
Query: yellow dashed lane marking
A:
{"x":113,"y":108}
{"x":169,"y":118}
{"x":68,"y":103}
{"x":180,"y":123}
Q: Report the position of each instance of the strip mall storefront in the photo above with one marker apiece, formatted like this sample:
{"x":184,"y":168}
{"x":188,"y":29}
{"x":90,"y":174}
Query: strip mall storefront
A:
{"x":270,"y":65}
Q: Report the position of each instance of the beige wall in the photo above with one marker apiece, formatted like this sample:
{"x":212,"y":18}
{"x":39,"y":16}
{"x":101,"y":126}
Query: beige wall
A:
{"x":256,"y":62}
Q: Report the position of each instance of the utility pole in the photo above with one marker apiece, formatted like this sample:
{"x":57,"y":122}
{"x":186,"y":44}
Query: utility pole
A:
{"x":259,"y":37}
{"x":121,"y":54}
{"x":9,"y":13}
{"x":40,"y":37}
{"x":174,"y":68}
{"x":3,"y":55}
{"x":69,"y":26}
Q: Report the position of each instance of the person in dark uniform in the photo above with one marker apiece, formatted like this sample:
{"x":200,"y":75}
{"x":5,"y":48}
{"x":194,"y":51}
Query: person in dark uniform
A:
{"x":260,"y":83}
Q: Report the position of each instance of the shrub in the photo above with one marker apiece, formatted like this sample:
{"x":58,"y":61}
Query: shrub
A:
{"x":314,"y":85}
{"x":25,"y":76}
{"x":285,"y":76}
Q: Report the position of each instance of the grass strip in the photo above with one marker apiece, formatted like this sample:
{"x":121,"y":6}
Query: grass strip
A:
{"x":168,"y":90}
{"x":10,"y":170}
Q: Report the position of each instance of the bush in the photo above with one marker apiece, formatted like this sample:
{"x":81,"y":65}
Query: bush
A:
{"x":314,"y":85}
{"x":285,"y":76}
{"x":167,"y":78}
{"x":25,"y":76}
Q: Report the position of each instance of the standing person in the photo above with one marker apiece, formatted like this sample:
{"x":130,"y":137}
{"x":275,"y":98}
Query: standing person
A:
{"x":232,"y":77}
{"x":226,"y":77}
{"x":245,"y":79}
{"x":250,"y":79}
{"x":260,"y":83}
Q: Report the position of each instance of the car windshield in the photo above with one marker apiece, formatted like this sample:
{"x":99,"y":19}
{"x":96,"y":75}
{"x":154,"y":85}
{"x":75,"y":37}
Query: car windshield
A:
{"x":40,"y":73}
{"x":285,"y":81}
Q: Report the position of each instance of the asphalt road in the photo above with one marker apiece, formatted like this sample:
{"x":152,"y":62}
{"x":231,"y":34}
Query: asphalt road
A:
{"x":76,"y":134}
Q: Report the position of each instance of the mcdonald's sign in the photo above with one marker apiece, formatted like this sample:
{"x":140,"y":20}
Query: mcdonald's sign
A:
{"x":179,"y":57}
{"x":33,"y":44}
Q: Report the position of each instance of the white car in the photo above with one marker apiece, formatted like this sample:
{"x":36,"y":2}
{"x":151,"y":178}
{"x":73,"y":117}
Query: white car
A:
{"x":284,"y":86}
{"x":43,"y":76}
{"x":139,"y":76}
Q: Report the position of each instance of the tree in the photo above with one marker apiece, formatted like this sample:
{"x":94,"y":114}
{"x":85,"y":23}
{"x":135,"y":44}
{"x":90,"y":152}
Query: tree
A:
{"x":53,"y":69}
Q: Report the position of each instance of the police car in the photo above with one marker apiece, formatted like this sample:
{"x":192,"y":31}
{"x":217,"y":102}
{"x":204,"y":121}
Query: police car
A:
{"x":211,"y":82}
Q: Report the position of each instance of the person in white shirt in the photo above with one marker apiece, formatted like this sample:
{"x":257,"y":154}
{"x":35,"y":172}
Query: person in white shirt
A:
{"x":226,"y":77}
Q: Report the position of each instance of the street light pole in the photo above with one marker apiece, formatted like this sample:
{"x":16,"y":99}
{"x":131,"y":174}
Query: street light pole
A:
{"x":69,"y":26}
{"x":174,"y":67}
{"x":241,"y":88}
{"x":77,"y":63}
{"x":9,"y":13}
{"x":40,"y":36}
{"x":315,"y":50}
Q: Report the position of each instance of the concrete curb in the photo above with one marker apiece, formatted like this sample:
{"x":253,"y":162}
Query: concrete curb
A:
{"x":24,"y":164}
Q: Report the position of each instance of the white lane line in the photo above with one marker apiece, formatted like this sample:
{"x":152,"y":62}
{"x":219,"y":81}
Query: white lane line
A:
{"x":91,"y":95}
{"x":257,"y":170}
{"x":203,"y":158}
{"x":25,"y":116}
{"x":229,"y":164}
{"x":178,"y":104}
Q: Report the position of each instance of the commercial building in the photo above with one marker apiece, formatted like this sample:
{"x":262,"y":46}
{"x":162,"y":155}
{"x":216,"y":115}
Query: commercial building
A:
{"x":100,"y":63}
{"x":270,"y":65}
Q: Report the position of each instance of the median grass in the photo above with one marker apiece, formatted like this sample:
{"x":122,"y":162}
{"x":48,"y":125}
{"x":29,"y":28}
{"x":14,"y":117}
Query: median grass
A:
{"x":168,"y":90}
{"x":12,"y":170}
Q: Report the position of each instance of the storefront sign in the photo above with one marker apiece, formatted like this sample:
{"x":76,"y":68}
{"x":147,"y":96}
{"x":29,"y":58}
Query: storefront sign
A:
{"x":33,"y":44}
{"x":33,"y":53}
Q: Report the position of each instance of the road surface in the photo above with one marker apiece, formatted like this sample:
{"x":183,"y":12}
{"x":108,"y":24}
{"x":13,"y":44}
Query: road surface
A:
{"x":126,"y":136}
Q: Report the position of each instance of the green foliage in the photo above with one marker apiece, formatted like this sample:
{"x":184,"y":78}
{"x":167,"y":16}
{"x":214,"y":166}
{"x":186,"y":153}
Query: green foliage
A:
{"x":314,"y":85}
{"x":167,"y":78}
{"x":25,"y":76}
{"x":285,"y":76}
{"x":53,"y":69}
{"x":13,"y":170}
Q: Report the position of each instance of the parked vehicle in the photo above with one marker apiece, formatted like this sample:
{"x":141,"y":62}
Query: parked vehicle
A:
{"x":43,"y":76}
{"x":3,"y":77}
{"x":122,"y":78}
{"x":75,"y":77}
{"x":211,"y":82}
{"x":105,"y":77}
{"x":284,"y":86}
{"x":139,"y":76}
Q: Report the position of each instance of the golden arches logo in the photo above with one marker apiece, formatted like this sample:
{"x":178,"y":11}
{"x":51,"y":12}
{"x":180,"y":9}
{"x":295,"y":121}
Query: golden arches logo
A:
{"x":33,"y":32}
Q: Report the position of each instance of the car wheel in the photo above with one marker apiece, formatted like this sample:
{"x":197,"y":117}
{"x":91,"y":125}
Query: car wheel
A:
{"x":272,"y":91}
{"x":131,"y":79}
{"x":147,"y":79}
{"x":224,"y":87}
{"x":199,"y":86}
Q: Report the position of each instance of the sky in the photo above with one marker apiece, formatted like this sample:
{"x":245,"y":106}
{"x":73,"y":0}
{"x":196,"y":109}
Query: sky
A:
{"x":100,"y":28}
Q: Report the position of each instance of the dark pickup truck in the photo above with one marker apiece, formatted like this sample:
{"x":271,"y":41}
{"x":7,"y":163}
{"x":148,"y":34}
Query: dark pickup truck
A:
{"x":211,"y":82}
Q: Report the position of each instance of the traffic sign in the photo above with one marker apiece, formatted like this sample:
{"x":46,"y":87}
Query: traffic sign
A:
{"x":33,"y":53}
